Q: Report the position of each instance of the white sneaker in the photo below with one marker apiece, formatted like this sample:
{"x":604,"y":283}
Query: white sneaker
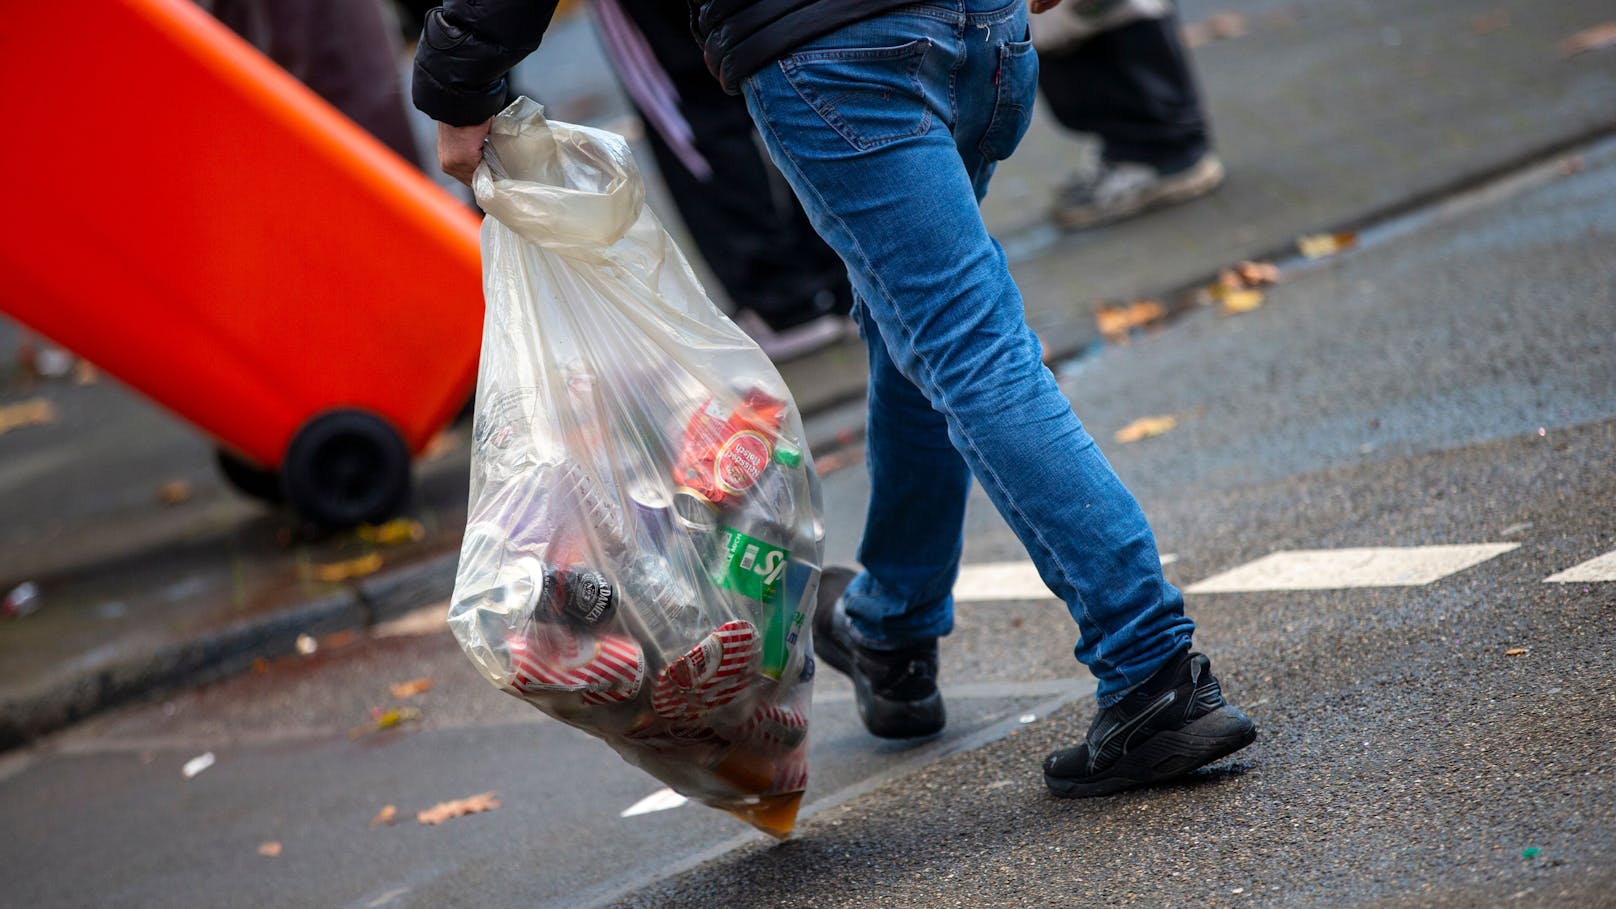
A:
{"x":1123,"y":190}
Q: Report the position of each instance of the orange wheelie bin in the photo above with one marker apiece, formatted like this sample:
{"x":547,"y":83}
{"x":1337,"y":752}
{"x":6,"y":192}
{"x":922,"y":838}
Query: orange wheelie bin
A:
{"x":186,"y":215}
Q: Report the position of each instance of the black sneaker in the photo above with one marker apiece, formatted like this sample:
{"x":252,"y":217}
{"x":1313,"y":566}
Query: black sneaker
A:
{"x":1173,"y":723}
{"x":896,"y":689}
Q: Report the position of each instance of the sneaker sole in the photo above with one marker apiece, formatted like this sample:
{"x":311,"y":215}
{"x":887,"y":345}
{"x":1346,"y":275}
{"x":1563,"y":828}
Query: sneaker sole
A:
{"x":1166,"y":755}
{"x":1200,"y":181}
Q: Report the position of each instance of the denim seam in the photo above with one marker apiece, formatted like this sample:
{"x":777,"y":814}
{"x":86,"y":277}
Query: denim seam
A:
{"x":999,"y":108}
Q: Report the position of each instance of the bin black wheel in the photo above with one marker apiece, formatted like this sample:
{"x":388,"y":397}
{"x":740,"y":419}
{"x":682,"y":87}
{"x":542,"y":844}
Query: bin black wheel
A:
{"x":248,"y":478}
{"x":346,"y":467}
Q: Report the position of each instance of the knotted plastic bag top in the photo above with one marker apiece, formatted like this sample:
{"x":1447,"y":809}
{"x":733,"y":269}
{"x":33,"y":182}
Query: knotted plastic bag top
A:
{"x":570,"y":189}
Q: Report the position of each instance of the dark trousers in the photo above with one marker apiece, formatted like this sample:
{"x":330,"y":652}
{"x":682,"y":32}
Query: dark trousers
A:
{"x":743,"y":217}
{"x":1133,"y":87}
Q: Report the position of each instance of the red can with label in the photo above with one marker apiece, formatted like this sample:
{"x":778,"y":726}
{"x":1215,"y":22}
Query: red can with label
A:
{"x":725,"y":451}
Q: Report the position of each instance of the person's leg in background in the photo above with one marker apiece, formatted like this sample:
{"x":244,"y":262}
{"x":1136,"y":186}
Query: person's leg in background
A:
{"x":748,"y":226}
{"x":346,"y":51}
{"x":1133,"y":88}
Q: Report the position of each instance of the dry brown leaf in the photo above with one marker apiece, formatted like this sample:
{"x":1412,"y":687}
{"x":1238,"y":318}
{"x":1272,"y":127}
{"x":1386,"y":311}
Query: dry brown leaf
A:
{"x":1515,"y":651}
{"x":1116,"y":322}
{"x":394,"y":532}
{"x":270,"y":848}
{"x":1486,"y":24}
{"x":1598,"y":37}
{"x":32,"y":412}
{"x":385,"y":817}
{"x":1319,"y":246}
{"x":174,"y":492}
{"x":352,"y":568}
{"x":1257,"y":274}
{"x":84,"y":373}
{"x":411,"y":688}
{"x":1145,"y":427}
{"x":443,"y":811}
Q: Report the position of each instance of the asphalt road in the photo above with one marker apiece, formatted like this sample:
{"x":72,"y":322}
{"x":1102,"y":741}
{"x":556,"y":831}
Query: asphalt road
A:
{"x":1455,"y":384}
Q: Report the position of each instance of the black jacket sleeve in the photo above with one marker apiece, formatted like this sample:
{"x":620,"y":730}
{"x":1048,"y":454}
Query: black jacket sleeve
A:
{"x":466,"y":48}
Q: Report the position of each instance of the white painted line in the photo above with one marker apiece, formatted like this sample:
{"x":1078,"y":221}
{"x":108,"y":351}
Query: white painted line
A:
{"x":660,"y":800}
{"x":1599,"y":568}
{"x":1331,"y":569}
{"x":991,"y":581}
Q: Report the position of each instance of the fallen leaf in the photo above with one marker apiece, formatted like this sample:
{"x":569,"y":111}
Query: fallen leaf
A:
{"x":1486,"y":24}
{"x":1515,"y":651}
{"x":839,"y":460}
{"x":394,"y":532}
{"x":1257,"y":274}
{"x":197,"y":764}
{"x":1572,"y":165}
{"x":382,"y":720}
{"x":1115,"y":322}
{"x":1598,"y":37}
{"x":1319,"y":246}
{"x":85,"y":373}
{"x":174,"y":492}
{"x":387,"y":816}
{"x":411,"y":688}
{"x":32,"y":412}
{"x":271,"y":848}
{"x":443,"y":811}
{"x":1239,"y":301}
{"x":1145,"y":427}
{"x":352,"y":568}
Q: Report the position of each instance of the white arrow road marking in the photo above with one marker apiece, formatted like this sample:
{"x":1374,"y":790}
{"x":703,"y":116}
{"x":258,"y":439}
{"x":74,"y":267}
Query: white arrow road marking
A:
{"x":1330,"y":569}
{"x":1599,"y":568}
{"x":1007,"y":581}
{"x":660,"y":800}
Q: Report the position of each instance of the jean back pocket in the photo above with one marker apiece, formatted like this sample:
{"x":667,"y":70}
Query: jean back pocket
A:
{"x":870,"y":95}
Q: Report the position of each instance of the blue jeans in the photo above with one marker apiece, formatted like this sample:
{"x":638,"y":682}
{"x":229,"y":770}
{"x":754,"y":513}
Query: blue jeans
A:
{"x":889,"y":130}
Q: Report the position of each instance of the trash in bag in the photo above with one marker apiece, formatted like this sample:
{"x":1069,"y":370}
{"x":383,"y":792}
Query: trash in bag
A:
{"x":644,"y":539}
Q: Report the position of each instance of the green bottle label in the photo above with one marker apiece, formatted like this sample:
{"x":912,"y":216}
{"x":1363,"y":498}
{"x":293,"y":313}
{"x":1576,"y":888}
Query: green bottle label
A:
{"x":757,"y":570}
{"x":752,"y":568}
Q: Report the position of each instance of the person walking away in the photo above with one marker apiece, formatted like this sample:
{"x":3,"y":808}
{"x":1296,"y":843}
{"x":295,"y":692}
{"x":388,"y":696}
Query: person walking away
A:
{"x":1118,"y":70}
{"x":887,"y":118}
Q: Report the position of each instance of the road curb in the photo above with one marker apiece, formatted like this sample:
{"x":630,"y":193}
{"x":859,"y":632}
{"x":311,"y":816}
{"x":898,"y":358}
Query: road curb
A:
{"x":221,"y":652}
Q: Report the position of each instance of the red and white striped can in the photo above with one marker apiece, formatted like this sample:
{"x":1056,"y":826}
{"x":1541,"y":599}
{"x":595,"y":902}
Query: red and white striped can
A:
{"x":711,"y":674}
{"x":774,"y":728}
{"x":608,"y":669}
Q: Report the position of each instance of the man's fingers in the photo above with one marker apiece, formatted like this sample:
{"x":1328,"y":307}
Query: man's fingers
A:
{"x":460,"y":149}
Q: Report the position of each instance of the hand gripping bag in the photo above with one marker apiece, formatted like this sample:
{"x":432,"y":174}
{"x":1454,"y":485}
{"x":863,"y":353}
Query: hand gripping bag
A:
{"x":644,"y":539}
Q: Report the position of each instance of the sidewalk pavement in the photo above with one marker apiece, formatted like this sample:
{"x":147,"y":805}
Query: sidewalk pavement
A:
{"x":1328,"y":115}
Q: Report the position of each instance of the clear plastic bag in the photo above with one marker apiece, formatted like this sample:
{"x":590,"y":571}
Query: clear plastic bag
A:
{"x":644,"y":540}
